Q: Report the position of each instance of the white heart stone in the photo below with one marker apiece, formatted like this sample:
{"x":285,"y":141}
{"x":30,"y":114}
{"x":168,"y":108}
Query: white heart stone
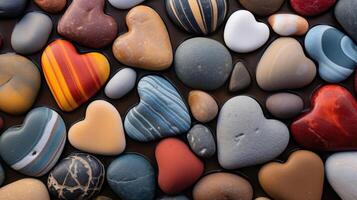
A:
{"x":121,"y":83}
{"x":341,"y":172}
{"x":125,"y":4}
{"x":243,"y":33}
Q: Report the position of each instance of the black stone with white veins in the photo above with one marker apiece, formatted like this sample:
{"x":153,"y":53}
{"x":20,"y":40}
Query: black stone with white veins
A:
{"x":76,"y":177}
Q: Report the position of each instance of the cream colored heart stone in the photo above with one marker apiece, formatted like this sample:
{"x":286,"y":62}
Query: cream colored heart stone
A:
{"x":101,"y":132}
{"x":288,"y":24}
{"x":147,"y":43}
{"x":285,"y":66}
{"x":26,"y":189}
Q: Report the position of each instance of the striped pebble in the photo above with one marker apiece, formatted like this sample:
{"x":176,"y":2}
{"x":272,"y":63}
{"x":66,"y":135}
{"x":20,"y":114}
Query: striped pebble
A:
{"x":334,"y":51}
{"x":160,"y":113}
{"x":197,"y":16}
{"x":288,"y":24}
{"x":34,"y":147}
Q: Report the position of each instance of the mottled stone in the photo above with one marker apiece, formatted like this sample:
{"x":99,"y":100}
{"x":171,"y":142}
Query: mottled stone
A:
{"x":262,"y":7}
{"x":346,"y":15}
{"x":201,"y":141}
{"x":288,"y":24}
{"x":51,"y":6}
{"x":240,"y":78}
{"x":202,"y":105}
{"x":121,"y":83}
{"x":12,"y":8}
{"x":284,"y":105}
{"x":78,"y":176}
{"x":28,"y":188}
{"x":203,"y":63}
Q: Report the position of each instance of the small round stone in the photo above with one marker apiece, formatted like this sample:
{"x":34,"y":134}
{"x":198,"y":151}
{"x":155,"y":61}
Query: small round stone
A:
{"x":203,"y":63}
{"x":284,"y":105}
{"x":202,"y":105}
{"x":51,"y":6}
{"x":240,"y":78}
{"x":201,"y":141}
{"x":121,"y":83}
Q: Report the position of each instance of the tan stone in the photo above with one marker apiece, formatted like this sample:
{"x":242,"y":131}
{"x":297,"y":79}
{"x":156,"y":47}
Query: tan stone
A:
{"x":147,"y":44}
{"x":101,"y":132}
{"x":27,"y":189}
{"x":51,"y":6}
{"x":301,"y":177}
{"x":202,"y":105}
{"x":288,"y":24}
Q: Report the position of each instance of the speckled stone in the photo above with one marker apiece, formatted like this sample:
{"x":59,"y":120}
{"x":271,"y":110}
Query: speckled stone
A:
{"x":203,"y":63}
{"x":284,"y":105}
{"x":201,"y":141}
{"x":346,"y":15}
{"x":202,"y":105}
{"x":79,"y":176}
{"x":240,"y":78}
{"x":262,"y":7}
{"x":2,"y":175}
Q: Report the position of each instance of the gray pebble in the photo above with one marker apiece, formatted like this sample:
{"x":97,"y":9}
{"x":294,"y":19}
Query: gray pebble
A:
{"x":346,"y":15}
{"x":203,"y":63}
{"x":121,"y":83}
{"x":201,"y":141}
{"x":284,"y":105}
{"x":240,"y":78}
{"x":245,"y":137}
{"x":2,"y":175}
{"x":180,"y":197}
{"x":31,"y":33}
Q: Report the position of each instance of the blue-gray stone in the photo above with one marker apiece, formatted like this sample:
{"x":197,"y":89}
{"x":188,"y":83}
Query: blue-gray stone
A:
{"x":12,"y":8}
{"x":201,"y":141}
{"x":31,"y":33}
{"x":335,"y":52}
{"x":132,"y":177}
{"x":34,"y":147}
{"x":203,"y":63}
{"x":2,"y":175}
{"x":160,"y":113}
{"x":180,"y":197}
{"x":346,"y":15}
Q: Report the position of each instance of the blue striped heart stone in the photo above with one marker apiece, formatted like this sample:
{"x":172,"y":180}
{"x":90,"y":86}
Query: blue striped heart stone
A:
{"x":34,"y":147}
{"x":160,"y":113}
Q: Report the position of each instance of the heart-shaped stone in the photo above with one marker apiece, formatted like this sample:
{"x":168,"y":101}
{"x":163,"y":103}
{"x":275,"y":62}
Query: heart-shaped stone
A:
{"x":101,"y":132}
{"x":73,"y":78}
{"x":301,"y":177}
{"x":243,"y":33}
{"x":311,"y":7}
{"x":346,"y":15}
{"x":27,"y":188}
{"x":341,"y":173}
{"x":326,"y":126}
{"x":160,"y":113}
{"x":285,"y":66}
{"x":245,"y":137}
{"x":260,"y":7}
{"x":34,"y":147}
{"x":334,"y":51}
{"x":86,"y":23}
{"x":147,"y":43}
{"x":20,"y":81}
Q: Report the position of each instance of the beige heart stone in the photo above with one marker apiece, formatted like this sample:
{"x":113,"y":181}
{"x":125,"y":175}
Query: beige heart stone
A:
{"x":101,"y":132}
{"x":285,"y":66}
{"x":147,"y":43}
{"x":26,"y":189}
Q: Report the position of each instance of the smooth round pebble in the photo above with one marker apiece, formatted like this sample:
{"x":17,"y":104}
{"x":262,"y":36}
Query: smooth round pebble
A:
{"x":31,"y":33}
{"x":346,"y":15}
{"x":2,"y":175}
{"x":78,"y":176}
{"x":180,"y":197}
{"x":240,"y":78}
{"x":222,"y":186}
{"x":125,"y":4}
{"x":202,"y":63}
{"x":12,"y":8}
{"x":121,"y":83}
{"x":201,"y":141}
{"x":262,"y":7}
{"x":51,"y":6}
{"x":132,"y":177}
{"x":288,"y":24}
{"x":284,"y":105}
{"x":202,"y":105}
{"x":28,"y":188}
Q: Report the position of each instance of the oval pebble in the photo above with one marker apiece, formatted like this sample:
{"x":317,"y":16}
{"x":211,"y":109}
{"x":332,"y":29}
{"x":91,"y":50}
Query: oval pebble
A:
{"x":31,"y":33}
{"x":203,"y":63}
{"x":121,"y":83}
{"x":222,"y":186}
{"x":288,"y":24}
{"x":240,"y":78}
{"x":125,"y":4}
{"x":78,"y":176}
{"x":28,"y":188}
{"x":202,"y":105}
{"x":132,"y":177}
{"x":201,"y":141}
{"x":284,"y":105}
{"x":51,"y":6}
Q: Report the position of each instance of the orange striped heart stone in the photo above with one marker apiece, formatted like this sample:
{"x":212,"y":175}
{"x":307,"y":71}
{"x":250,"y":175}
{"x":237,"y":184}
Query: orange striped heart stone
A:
{"x":73,"y":78}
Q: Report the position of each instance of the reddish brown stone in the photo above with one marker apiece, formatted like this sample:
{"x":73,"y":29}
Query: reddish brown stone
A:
{"x":51,"y":6}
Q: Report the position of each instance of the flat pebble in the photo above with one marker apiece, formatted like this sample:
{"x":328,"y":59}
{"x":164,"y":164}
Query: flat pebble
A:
{"x":51,"y":6}
{"x":28,"y":188}
{"x":222,"y":186}
{"x":346,"y":15}
{"x":161,"y":107}
{"x":78,"y":176}
{"x":202,"y":105}
{"x":243,"y":33}
{"x":288,"y":24}
{"x":86,"y":23}
{"x":311,"y":7}
{"x":201,"y":141}
{"x":262,"y":8}
{"x":121,"y":83}
{"x":31,"y":33}
{"x":12,"y":8}
{"x":132,"y":177}
{"x":2,"y":175}
{"x":245,"y":137}
{"x":284,"y":105}
{"x":240,"y":78}
{"x":335,"y":52}
{"x":196,"y":16}
{"x":176,"y":175}
{"x":203,"y":63}
{"x":285,"y":66}
{"x":125,"y":4}
{"x":180,"y":197}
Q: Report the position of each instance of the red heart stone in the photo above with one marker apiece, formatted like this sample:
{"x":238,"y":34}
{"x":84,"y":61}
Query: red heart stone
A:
{"x":311,"y":7}
{"x":331,"y":124}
